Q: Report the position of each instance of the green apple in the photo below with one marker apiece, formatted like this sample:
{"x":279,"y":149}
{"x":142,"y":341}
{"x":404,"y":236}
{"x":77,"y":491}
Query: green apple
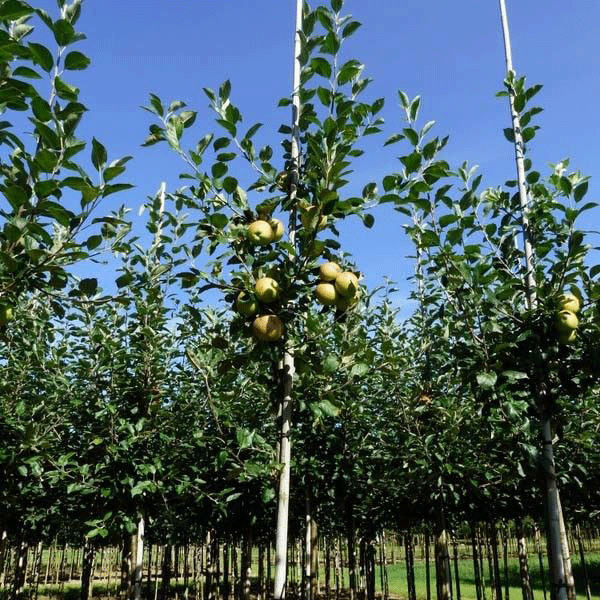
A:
{"x":326,"y":293}
{"x":277,"y":228}
{"x":566,"y":321}
{"x":329,"y":271}
{"x":6,"y":314}
{"x":346,"y":284}
{"x":267,"y":328}
{"x":267,"y":289}
{"x":260,"y":233}
{"x":569,"y":302}
{"x":246,"y":304}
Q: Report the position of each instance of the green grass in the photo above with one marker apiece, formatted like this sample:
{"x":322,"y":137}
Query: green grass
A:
{"x":398,"y":585}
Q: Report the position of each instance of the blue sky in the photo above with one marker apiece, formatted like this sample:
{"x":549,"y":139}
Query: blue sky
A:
{"x":449,"y":53}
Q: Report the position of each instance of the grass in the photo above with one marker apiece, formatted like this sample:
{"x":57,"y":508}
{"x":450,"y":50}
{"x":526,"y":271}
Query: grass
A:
{"x":398,"y":585}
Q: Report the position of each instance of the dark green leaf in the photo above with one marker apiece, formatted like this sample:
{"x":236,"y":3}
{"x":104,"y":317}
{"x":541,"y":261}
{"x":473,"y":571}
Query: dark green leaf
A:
{"x":26,"y":72}
{"x":10,"y":10}
{"x":88,"y":286}
{"x":42,"y":56}
{"x":350,"y":28}
{"x":76,"y":61}
{"x":64,"y":34}
{"x":99,"y":155}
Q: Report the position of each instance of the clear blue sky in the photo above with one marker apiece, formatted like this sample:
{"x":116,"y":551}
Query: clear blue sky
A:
{"x":450,"y":53}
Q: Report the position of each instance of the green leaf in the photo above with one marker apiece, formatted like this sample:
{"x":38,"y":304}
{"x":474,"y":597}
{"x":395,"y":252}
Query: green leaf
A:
{"x":509,"y":134}
{"x":42,"y":56}
{"x":321,"y":66}
{"x":89,"y":286}
{"x":350,"y":28}
{"x":65,"y":90}
{"x":368,"y":220}
{"x":124,"y":280}
{"x":486,"y":379}
{"x":349,"y":70}
{"x":414,"y":108}
{"x":336,"y":5}
{"x":359,"y":369}
{"x":225,"y":90}
{"x":64,"y":34}
{"x":99,"y":155}
{"x":41,"y":109}
{"x":580,"y":191}
{"x":26,"y":72}
{"x":76,"y":61}
{"x":219,"y":169}
{"x":331,"y":364}
{"x":10,"y":10}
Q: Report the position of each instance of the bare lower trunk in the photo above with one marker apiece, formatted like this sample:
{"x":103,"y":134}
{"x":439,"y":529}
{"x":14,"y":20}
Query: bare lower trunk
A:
{"x":523,"y":562}
{"x":87,"y":571}
{"x":442,"y":559}
{"x":137,"y":560}
{"x":20,"y":570}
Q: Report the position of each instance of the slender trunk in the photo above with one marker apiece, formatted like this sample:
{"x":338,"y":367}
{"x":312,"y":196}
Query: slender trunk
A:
{"x":456,"y":571}
{"x":338,"y":569}
{"x":476,"y":570}
{"x":371,"y":570}
{"x":3,"y":553}
{"x":308,"y":587}
{"x":442,"y":559}
{"x":327,"y":568}
{"x":351,"y":558}
{"x":496,"y":562}
{"x":586,"y":578}
{"x":480,"y":547}
{"x":87,"y":571}
{"x":565,"y":551}
{"x":246,"y":568}
{"x":226,"y":585}
{"x":280,"y":584}
{"x":410,"y":566}
{"x":261,"y":572}
{"x":538,"y":547}
{"x":505,"y":559}
{"x":556,"y":556}
{"x":165,"y":588}
{"x":427,"y":566}
{"x":51,"y":553}
{"x":523,"y":562}
{"x":20,"y":570}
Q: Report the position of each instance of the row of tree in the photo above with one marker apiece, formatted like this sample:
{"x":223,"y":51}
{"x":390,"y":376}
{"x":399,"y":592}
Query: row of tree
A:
{"x":150,"y":410}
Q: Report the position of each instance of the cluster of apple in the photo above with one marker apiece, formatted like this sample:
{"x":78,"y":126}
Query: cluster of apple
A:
{"x":336,"y":287}
{"x":566,"y":321}
{"x":262,"y":232}
{"x":266,"y":327}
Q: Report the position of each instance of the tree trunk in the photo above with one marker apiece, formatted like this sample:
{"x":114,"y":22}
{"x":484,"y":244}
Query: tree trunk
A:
{"x":427,"y":566}
{"x":456,"y":570}
{"x":351,"y":557}
{"x":538,"y":547}
{"x":20,"y":570}
{"x":586,"y":578}
{"x":410,"y":566}
{"x":165,"y":587}
{"x":476,"y":570}
{"x":493,"y":534}
{"x":523,"y":562}
{"x":87,"y":570}
{"x":246,"y":568}
{"x":442,"y":559}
